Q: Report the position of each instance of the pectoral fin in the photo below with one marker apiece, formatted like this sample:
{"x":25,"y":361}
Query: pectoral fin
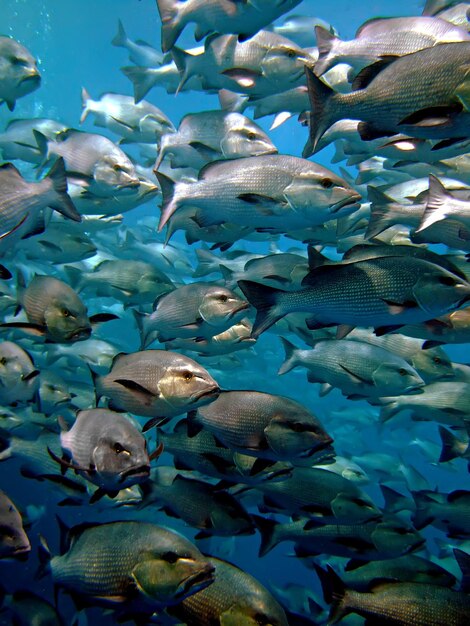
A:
{"x":355,"y":377}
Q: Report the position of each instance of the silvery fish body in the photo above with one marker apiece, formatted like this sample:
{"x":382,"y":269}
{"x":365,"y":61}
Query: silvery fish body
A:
{"x":156,"y":383}
{"x":19,"y":382}
{"x":272,"y":191}
{"x":213,"y":135}
{"x":18,"y":142}
{"x":142,"y":122}
{"x":121,"y":563}
{"x":218,"y":16}
{"x":108,"y":449}
{"x":140,"y":52}
{"x":19,"y":75}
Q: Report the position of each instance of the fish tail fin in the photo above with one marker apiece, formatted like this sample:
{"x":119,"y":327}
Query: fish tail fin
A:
{"x":169,"y":205}
{"x":164,"y":143}
{"x":227,"y":275}
{"x":75,"y":277}
{"x":184,"y":63}
{"x":171,"y":14}
{"x":266,"y":302}
{"x":463,"y":559}
{"x":206,"y":263}
{"x":5,"y":444}
{"x":120,"y":39}
{"x":422,"y":516}
{"x":452,"y":447}
{"x":267,"y":528}
{"x":290,"y":357}
{"x":86,"y":109}
{"x":44,"y":558}
{"x":389,"y":410}
{"x":141,"y":320}
{"x":62,"y":203}
{"x":325,"y":43}
{"x":381,"y":217}
{"x":42,"y":143}
{"x":322,"y":114}
{"x":436,"y":207}
{"x":334,"y":593}
{"x":142,"y":80}
{"x":394,"y":501}
{"x":231,"y":101}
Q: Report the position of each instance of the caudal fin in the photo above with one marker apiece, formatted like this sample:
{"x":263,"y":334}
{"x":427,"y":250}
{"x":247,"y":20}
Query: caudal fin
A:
{"x":437,"y":204}
{"x":62,"y":202}
{"x":142,"y":79}
{"x":266,"y":302}
{"x":267,"y":528}
{"x":120,"y":40}
{"x":170,"y":14}
{"x":85,"y":108}
{"x":334,"y":593}
{"x":452,"y":447}
{"x":325,"y":43}
{"x":322,"y":107}
{"x":381,"y":214}
{"x":291,"y":357}
{"x":169,"y":205}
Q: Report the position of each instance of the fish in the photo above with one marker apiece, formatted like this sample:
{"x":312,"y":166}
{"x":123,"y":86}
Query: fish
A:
{"x":442,"y":205}
{"x":19,"y":382}
{"x":19,"y":75}
{"x":18,"y":142}
{"x":107,"y":449}
{"x":237,"y":337}
{"x":14,"y":542}
{"x":258,"y":424}
{"x":276,"y":191}
{"x":199,"y":310}
{"x":211,"y":136}
{"x":245,"y":18}
{"x":59,"y":244}
{"x":26,"y":608}
{"x":136,"y":566}
{"x":418,"y":603}
{"x":156,"y":383}
{"x":53,"y":392}
{"x":233,"y":598}
{"x":446,"y":511}
{"x":382,"y":101}
{"x":140,"y":52}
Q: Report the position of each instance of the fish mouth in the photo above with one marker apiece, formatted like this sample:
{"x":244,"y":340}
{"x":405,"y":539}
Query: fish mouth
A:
{"x":80,"y":335}
{"x":132,"y":184}
{"x":141,"y":471}
{"x":242,"y":307}
{"x":21,"y":553}
{"x":201,"y":580}
{"x":31,"y":78}
{"x":214,"y":391}
{"x":351,"y":201}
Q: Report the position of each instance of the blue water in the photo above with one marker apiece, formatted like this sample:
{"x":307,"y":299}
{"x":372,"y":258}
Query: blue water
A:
{"x":71,"y":41}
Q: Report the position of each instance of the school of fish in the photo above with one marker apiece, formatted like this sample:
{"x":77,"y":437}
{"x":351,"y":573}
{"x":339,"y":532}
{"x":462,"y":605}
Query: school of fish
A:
{"x":151,"y":432}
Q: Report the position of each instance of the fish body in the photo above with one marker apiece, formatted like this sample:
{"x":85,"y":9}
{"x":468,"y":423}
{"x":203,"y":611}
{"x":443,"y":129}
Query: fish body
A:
{"x":235,"y":598}
{"x":449,"y":512}
{"x":420,"y":94}
{"x":18,"y":142}
{"x":193,"y":310}
{"x":156,"y":383}
{"x":60,"y":244}
{"x":263,"y":425}
{"x":108,"y":449}
{"x":19,"y":75}
{"x":272,"y":191}
{"x":26,"y":608}
{"x":237,"y":337}
{"x":218,"y":16}
{"x":140,"y":52}
{"x":213,"y":135}
{"x":14,"y":542}
{"x":19,"y":382}
{"x":420,"y":289}
{"x":124,"y":562}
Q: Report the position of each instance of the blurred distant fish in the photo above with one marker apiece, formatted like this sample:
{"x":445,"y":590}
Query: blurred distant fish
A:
{"x":19,"y":75}
{"x":433,"y":7}
{"x":19,"y":382}
{"x":219,"y":16}
{"x":26,"y":608}
{"x":301,"y":29}
{"x":140,"y":52}
{"x":18,"y":142}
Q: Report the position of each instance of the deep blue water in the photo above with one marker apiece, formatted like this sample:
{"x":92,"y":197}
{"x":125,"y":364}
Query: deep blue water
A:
{"x":71,"y":41}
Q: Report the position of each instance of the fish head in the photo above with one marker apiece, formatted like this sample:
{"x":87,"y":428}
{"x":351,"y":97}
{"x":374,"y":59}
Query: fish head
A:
{"x":168,"y":576}
{"x":252,"y":611}
{"x":113,"y":172}
{"x":220,"y":307}
{"x":66,"y":318}
{"x":121,"y":456}
{"x":355,"y":506}
{"x":433,"y":364}
{"x":187,"y":385}
{"x":14,"y":542}
{"x":437,"y":291}
{"x":53,"y":390}
{"x":284,"y":62}
{"x":392,"y":538}
{"x":295,"y":434}
{"x":244,"y":138}
{"x":397,"y":376}
{"x":18,"y":70}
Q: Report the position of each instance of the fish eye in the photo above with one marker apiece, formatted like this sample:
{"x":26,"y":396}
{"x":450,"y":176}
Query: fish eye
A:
{"x":18,"y":61}
{"x":437,"y":360}
{"x":170,"y":557}
{"x":3,"y":360}
{"x":402,"y":371}
{"x":291,"y":53}
{"x":261,"y":619}
{"x":66,"y":313}
{"x":118,"y":448}
{"x":188,"y":376}
{"x":222,"y":298}
{"x":448,"y":281}
{"x":117,"y":167}
{"x":326,"y":183}
{"x":251,"y":135}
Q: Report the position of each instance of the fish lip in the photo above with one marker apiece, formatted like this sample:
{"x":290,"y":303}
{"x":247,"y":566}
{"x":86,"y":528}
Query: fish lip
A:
{"x":214,"y":391}
{"x":346,"y":202}
{"x":242,"y":307}
{"x":80,"y":334}
{"x":31,"y":77}
{"x":138,"y":471}
{"x":205,"y":577}
{"x":22,"y":552}
{"x":132,"y":184}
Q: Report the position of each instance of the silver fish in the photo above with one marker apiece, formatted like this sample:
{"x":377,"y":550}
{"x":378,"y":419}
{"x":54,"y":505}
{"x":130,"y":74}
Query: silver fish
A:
{"x":13,"y":539}
{"x":19,"y":75}
{"x":19,"y":382}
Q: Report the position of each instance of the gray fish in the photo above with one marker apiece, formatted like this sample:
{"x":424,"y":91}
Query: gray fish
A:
{"x":399,"y":603}
{"x":19,"y":75}
{"x":385,"y":292}
{"x":421,"y":94}
{"x":434,"y":7}
{"x":136,"y":565}
{"x":442,"y":205}
{"x":92,"y":159}
{"x":18,"y":142}
{"x":25,"y":608}
{"x":237,"y":337}
{"x":22,"y":200}
{"x":60,"y":243}
{"x":156,"y":384}
{"x":284,"y":269}
{"x":357,"y":369}
{"x":384,"y":38}
{"x":213,"y":135}
{"x":19,"y":382}
{"x":218,"y":16}
{"x":53,"y":392}
{"x":193,"y":310}
{"x":272,"y":191}
{"x":140,"y":52}
{"x":258,"y":424}
{"x":301,"y":29}
{"x":107,"y":449}
{"x":142,"y":122}
{"x":14,"y":542}
{"x":234,"y":598}
{"x":447,"y":511}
